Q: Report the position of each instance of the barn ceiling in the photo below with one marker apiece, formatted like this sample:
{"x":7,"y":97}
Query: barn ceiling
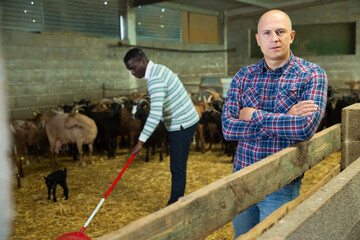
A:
{"x":236,"y":7}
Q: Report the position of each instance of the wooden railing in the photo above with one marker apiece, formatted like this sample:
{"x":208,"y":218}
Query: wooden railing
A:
{"x":198,"y":214}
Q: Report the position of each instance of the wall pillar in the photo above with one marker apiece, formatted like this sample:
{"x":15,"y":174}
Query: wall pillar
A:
{"x":350,"y":134}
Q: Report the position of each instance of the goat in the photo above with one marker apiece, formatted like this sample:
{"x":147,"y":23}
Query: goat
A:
{"x":157,"y":137}
{"x":130,"y":126}
{"x":70,"y":128}
{"x":17,"y":164}
{"x":108,"y":124}
{"x":26,"y":133}
{"x":213,"y":116}
{"x":199,"y":133}
{"x":55,"y":178}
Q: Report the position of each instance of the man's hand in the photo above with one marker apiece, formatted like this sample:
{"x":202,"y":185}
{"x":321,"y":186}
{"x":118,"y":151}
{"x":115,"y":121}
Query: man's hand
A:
{"x":246,"y":113}
{"x":303,"y":109}
{"x":137,"y":148}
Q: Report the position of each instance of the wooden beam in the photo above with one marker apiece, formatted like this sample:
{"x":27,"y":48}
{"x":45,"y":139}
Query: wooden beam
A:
{"x":188,"y":8}
{"x":292,"y":3}
{"x":257,"y":3}
{"x":247,"y":12}
{"x":135,"y":3}
{"x":286,"y":208}
{"x":200,"y":213}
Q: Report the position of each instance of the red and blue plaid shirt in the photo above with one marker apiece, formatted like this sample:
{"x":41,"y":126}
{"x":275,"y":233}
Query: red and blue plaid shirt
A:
{"x":272,"y":94}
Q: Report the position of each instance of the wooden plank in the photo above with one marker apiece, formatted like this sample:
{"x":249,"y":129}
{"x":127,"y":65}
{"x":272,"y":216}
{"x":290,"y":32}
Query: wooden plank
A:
{"x":286,"y":208}
{"x":206,"y":210}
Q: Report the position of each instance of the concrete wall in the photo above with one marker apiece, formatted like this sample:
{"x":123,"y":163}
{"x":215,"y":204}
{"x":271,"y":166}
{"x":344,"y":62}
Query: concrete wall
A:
{"x":44,"y":70}
{"x":331,"y":213}
{"x":339,"y":68}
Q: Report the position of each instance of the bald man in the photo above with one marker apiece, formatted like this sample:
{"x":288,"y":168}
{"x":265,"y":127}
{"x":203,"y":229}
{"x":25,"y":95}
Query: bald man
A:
{"x":272,"y":105}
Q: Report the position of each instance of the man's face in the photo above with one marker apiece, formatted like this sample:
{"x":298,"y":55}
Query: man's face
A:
{"x":275,"y":36}
{"x":136,"y":67}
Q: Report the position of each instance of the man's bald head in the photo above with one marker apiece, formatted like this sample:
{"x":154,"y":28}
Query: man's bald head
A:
{"x":274,"y":37}
{"x":274,"y":13}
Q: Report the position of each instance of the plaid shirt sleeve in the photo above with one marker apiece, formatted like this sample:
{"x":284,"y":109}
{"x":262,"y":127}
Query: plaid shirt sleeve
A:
{"x":234,"y":128}
{"x":295,"y":127}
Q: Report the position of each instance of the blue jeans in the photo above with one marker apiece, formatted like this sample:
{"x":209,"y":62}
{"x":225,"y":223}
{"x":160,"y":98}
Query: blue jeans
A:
{"x":247,"y":219}
{"x":179,"y":143}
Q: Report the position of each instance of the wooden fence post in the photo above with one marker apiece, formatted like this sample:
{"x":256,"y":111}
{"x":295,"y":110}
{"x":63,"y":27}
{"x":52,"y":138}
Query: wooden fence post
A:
{"x":350,"y":135}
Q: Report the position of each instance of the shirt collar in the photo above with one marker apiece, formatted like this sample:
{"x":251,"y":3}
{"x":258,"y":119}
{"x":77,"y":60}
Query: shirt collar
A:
{"x":148,"y":70}
{"x":281,"y":69}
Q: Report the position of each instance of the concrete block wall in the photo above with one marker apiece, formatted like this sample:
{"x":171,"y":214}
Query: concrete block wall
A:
{"x":339,"y":68}
{"x":191,"y":67}
{"x":44,"y":70}
{"x":350,"y":138}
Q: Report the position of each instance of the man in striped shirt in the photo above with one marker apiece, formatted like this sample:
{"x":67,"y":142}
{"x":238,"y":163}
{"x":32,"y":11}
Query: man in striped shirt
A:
{"x":168,"y":99}
{"x":271,"y":105}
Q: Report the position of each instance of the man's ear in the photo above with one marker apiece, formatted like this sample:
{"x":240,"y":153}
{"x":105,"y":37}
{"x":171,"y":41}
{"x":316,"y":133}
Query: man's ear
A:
{"x":292,"y":36}
{"x":257,"y":39}
{"x":144,"y":61}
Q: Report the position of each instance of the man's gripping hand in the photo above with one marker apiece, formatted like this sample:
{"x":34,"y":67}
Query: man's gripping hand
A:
{"x":246,"y":113}
{"x":303,"y":109}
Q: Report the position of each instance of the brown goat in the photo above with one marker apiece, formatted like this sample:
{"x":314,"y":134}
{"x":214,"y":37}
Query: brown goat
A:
{"x":26,"y":133}
{"x":199,"y":133}
{"x":70,"y":128}
{"x":130,"y":126}
{"x":16,"y":162}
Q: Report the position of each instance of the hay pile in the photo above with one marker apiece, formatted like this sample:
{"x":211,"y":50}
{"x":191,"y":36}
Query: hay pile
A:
{"x":143,"y":188}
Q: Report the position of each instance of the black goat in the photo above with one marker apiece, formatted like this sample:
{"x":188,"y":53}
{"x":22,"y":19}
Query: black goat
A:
{"x":213,"y":116}
{"x":55,"y":178}
{"x":108,"y":125}
{"x":157,"y":137}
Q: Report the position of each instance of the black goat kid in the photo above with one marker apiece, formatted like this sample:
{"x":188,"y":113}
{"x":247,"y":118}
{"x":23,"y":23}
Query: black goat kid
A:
{"x":55,"y":178}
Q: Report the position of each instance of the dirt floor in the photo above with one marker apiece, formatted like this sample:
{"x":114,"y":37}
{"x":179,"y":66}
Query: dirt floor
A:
{"x":143,"y":188}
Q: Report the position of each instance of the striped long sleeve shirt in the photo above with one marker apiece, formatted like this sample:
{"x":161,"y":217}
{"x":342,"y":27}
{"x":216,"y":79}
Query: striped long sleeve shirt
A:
{"x":168,"y":99}
{"x":272,"y":94}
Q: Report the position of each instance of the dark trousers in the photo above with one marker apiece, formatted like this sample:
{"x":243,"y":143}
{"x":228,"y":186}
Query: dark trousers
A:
{"x":179,"y":143}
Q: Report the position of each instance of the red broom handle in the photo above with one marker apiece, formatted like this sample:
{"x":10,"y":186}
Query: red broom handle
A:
{"x":119,"y":176}
{"x":107,"y":193}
